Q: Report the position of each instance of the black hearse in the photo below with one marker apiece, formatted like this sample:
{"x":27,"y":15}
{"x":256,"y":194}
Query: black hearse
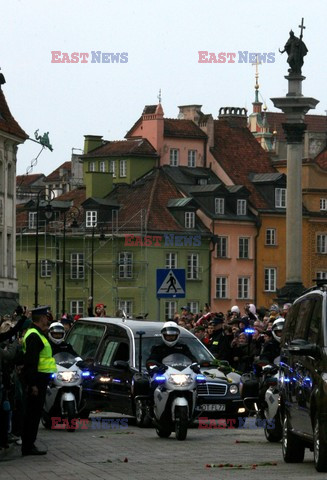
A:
{"x":303,"y":378}
{"x":109,"y":348}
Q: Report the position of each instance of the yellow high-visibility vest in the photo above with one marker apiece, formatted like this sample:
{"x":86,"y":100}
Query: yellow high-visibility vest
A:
{"x":47,"y":363}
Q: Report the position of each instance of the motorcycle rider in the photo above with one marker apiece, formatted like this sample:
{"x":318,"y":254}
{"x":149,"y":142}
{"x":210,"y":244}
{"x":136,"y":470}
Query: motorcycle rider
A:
{"x":56,"y":337}
{"x":271,"y":347}
{"x":170,"y":333}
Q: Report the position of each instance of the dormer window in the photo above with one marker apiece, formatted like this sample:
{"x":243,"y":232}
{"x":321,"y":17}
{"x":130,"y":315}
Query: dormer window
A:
{"x":219,"y":206}
{"x":92,"y":167}
{"x":189,"y":219}
{"x":203,"y":181}
{"x":102,"y":166}
{"x":91,"y":218}
{"x":241,"y":207}
{"x":280,"y":197}
{"x":174,"y":157}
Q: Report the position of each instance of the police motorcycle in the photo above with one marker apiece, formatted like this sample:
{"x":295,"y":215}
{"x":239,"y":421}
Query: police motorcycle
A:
{"x":260,"y":391}
{"x":64,"y":392}
{"x":175,"y":393}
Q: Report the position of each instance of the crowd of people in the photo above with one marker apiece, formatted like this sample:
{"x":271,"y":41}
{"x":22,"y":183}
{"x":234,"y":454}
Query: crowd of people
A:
{"x":238,"y":337}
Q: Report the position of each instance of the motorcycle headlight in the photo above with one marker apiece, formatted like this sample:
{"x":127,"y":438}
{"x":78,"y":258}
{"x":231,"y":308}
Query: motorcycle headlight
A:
{"x":233,"y":389}
{"x":180,"y":379}
{"x":67,"y":376}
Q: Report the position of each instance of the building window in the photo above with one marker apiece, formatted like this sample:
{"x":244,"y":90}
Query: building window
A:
{"x":77,"y":266}
{"x":91,"y":218}
{"x":194,"y":307}
{"x":91,"y":166}
{"x":174,"y":157}
{"x":112,"y":168}
{"x":221,"y":287}
{"x":171,"y":260}
{"x":170,"y":310}
{"x":323,"y":204}
{"x":77,"y":307}
{"x":243,"y":287}
{"x":219,"y":206}
{"x":189,"y":219}
{"x":123,"y":168}
{"x":322,"y":244}
{"x":191,"y":158}
{"x":102,"y":167}
{"x":126,"y":306}
{"x":280,"y":197}
{"x":243,"y":247}
{"x":222,"y":243}
{"x":32,"y":220}
{"x":125,"y":260}
{"x":241,"y":207}
{"x":270,"y":279}
{"x":203,"y":181}
{"x":193,"y":266}
{"x":46,"y":268}
{"x":321,"y":275}
{"x":271,"y":236}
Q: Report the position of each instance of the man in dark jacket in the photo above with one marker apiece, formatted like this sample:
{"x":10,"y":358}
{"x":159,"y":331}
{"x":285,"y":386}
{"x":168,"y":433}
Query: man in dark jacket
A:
{"x":270,"y":348}
{"x":39,"y":364}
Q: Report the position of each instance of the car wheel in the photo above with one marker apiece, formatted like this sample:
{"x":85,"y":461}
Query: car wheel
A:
{"x":319,"y":446}
{"x":142,"y":418}
{"x":292,"y":447}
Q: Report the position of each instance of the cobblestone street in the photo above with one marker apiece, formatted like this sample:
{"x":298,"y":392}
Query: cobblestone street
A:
{"x":135,"y":453}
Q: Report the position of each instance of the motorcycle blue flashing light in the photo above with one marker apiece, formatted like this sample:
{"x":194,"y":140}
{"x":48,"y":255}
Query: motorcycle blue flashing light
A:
{"x":53,"y":375}
{"x":249,"y":330}
{"x":200,"y":378}
{"x":86,"y":374}
{"x":160,"y":379}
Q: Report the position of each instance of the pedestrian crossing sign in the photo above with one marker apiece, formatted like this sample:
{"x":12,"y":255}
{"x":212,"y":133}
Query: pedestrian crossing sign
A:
{"x":170,"y":283}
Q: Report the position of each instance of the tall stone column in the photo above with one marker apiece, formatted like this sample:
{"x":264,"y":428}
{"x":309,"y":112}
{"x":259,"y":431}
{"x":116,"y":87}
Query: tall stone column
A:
{"x":295,"y":106}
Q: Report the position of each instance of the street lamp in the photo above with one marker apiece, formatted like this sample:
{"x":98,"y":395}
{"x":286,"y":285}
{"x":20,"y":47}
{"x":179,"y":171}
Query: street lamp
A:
{"x":73,"y":213}
{"x":48,"y":212}
{"x":102,"y":240}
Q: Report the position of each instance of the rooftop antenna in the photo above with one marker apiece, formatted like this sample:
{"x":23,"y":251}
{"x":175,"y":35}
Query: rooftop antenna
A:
{"x":159,"y":96}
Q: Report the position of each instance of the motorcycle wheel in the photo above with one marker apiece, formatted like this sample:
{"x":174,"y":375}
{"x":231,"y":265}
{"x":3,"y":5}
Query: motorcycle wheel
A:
{"x":71,"y":414}
{"x":274,"y":434}
{"x":163,"y":432}
{"x":181,"y":423}
{"x":142,"y":418}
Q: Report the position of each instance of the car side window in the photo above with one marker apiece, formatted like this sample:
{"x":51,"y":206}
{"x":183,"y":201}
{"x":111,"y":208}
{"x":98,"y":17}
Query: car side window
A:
{"x":289,"y":330}
{"x":114,"y":350}
{"x":314,"y":334}
{"x":303,"y":318}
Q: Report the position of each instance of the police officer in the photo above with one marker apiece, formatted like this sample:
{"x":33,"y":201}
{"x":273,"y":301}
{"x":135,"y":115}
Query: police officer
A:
{"x":39,"y":364}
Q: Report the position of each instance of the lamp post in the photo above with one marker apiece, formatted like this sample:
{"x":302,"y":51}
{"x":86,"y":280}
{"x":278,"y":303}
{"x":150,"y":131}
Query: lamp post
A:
{"x":74,"y":212}
{"x":102,"y":240}
{"x":48,"y":211}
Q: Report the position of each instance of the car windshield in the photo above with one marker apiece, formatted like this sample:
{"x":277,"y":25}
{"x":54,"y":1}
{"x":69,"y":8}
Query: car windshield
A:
{"x":197,"y":349}
{"x":85,"y":339}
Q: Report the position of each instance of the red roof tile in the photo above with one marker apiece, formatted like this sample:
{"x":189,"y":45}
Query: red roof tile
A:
{"x":239,"y":154}
{"x":7,"y":122}
{"x":182,"y":128}
{"x":134,"y":146}
{"x":28,"y":180}
{"x":315,"y":123}
{"x":55,"y":175}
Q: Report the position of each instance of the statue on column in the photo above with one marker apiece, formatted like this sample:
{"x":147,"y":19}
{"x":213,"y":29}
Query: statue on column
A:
{"x":296,"y":50}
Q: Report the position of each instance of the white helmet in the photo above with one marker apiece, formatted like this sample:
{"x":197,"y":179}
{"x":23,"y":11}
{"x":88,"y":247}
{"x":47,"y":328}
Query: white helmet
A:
{"x":170,"y":333}
{"x":57,"y":333}
{"x":277,"y":328}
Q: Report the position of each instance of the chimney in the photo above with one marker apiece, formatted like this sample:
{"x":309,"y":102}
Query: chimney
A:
{"x":190,"y":112}
{"x":91,"y":142}
{"x":235,"y":116}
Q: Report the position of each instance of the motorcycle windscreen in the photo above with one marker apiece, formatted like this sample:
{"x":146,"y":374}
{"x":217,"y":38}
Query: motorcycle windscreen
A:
{"x":65,"y":359}
{"x":177,"y":361}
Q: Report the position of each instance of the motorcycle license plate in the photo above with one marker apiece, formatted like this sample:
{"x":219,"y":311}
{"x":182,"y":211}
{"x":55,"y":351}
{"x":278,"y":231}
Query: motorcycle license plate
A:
{"x":213,"y":407}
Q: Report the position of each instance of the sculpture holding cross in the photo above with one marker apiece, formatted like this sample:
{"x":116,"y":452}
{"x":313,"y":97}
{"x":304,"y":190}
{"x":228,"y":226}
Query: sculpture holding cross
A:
{"x":296,"y":50}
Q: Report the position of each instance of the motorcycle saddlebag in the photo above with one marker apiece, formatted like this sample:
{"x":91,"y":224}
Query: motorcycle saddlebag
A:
{"x":141,"y":384}
{"x":249,"y":385}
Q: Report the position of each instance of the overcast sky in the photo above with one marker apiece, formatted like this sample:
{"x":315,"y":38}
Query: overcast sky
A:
{"x":162,"y":39}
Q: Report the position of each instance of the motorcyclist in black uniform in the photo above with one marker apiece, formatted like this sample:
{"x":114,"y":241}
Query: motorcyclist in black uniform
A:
{"x":170,"y":336}
{"x":56,"y":337}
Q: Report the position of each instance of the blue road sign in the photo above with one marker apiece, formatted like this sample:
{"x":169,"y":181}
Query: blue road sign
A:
{"x":171,"y":283}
